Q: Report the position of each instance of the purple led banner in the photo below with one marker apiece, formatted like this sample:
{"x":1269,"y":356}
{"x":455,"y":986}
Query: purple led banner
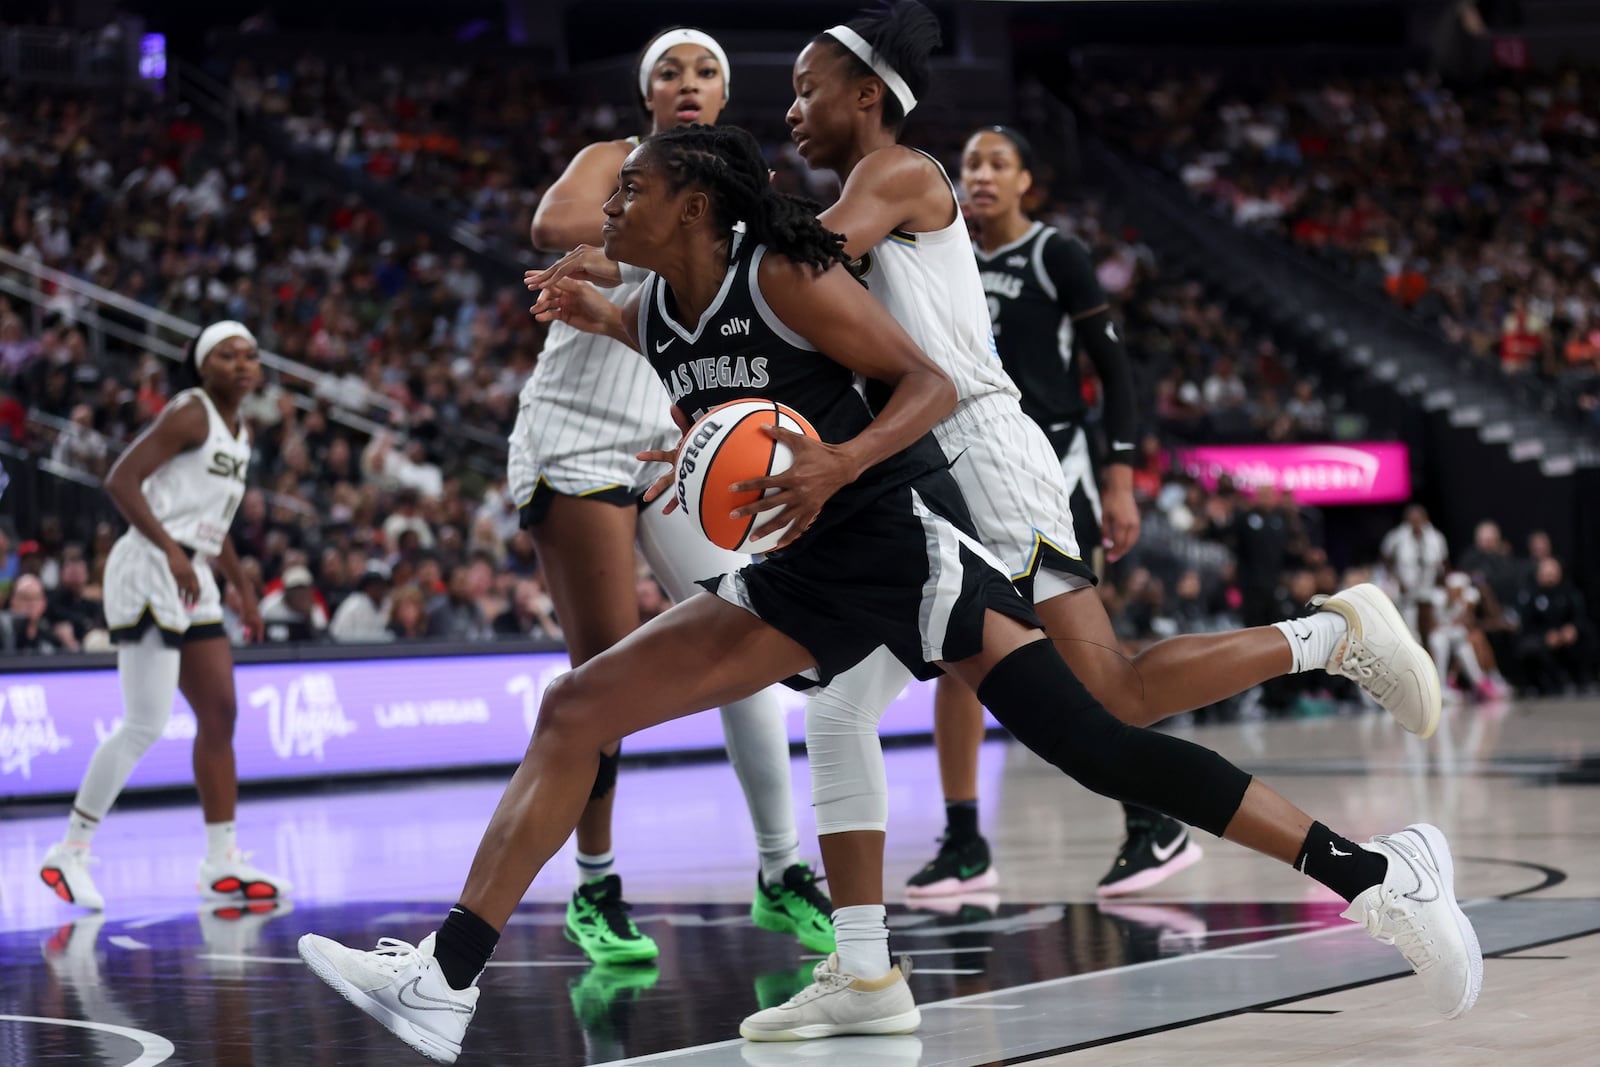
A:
{"x":324,"y":720}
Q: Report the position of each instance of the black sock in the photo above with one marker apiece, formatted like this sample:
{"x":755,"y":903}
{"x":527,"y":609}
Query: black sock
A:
{"x":1343,"y":866}
{"x":1136,"y":818}
{"x":961,"y":819}
{"x":463,"y":947}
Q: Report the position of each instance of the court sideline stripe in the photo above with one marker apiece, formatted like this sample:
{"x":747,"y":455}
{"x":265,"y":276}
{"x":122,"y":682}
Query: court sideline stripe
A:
{"x":1266,"y":1006}
{"x":1011,"y":991}
{"x":153,"y":1047}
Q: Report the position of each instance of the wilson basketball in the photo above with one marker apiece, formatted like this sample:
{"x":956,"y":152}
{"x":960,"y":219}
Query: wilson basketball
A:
{"x":728,"y":445}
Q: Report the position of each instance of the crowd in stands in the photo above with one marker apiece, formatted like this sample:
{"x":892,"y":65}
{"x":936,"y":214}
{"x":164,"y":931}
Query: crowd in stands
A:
{"x":1476,"y":207}
{"x":136,"y":197}
{"x":477,"y":142}
{"x":1203,"y":375}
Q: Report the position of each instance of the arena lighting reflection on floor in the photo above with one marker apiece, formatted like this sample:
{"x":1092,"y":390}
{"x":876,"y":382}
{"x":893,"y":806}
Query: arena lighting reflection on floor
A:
{"x":998,"y":981}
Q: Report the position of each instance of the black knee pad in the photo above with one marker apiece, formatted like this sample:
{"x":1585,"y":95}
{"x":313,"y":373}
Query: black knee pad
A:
{"x":1035,"y":695}
{"x":605,"y":779}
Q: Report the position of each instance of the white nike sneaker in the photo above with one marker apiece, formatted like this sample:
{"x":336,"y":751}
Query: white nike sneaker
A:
{"x":235,"y":879}
{"x":66,"y":871}
{"x":402,"y":987}
{"x":836,"y":1004}
{"x":1379,"y":654}
{"x":1415,"y":910}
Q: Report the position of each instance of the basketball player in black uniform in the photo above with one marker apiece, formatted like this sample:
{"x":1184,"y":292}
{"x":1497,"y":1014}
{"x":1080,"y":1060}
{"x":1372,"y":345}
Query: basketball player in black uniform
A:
{"x":1048,"y":311}
{"x":878,"y":554}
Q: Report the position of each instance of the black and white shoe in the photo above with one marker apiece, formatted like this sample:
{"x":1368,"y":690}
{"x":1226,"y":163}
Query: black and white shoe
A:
{"x":1153,"y":852}
{"x":961,"y":866}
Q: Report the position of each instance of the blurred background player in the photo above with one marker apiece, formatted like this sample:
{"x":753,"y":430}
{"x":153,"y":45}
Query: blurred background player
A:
{"x":1416,"y":554}
{"x":1451,"y":641}
{"x":178,"y":485}
{"x":1047,"y":307}
{"x":590,"y":407}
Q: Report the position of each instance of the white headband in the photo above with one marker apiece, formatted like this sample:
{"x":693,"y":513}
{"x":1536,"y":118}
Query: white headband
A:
{"x":672,"y":39}
{"x":880,"y":66}
{"x":215,"y":334}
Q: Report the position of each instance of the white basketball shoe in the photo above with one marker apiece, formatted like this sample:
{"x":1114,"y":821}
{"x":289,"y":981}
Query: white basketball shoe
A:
{"x":233,"y":878}
{"x":400,"y":985}
{"x":1415,"y":910}
{"x":66,"y":871}
{"x":1379,"y":654}
{"x":836,"y":1004}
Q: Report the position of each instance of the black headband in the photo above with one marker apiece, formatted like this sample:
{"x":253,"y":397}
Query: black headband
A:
{"x":1019,"y":142}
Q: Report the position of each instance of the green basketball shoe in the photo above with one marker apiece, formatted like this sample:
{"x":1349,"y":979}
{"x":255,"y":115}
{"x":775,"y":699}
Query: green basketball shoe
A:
{"x":598,"y":923}
{"x":796,"y":906}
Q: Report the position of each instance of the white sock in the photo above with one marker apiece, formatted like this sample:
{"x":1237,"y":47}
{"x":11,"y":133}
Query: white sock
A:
{"x":1312,"y":639}
{"x":593,"y":867}
{"x":221,"y":840}
{"x":775,"y":861}
{"x":862,"y":935}
{"x":80,"y":830}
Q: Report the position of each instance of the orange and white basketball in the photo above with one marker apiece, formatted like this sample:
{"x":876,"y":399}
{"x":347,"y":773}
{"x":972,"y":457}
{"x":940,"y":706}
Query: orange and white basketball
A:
{"x":729,"y":445}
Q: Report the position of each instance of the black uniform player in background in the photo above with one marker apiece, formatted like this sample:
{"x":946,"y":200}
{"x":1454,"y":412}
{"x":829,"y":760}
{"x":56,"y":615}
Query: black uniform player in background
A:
{"x":1048,"y":310}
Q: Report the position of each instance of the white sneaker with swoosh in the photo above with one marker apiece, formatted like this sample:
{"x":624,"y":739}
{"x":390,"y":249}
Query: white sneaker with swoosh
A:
{"x":1415,"y":910}
{"x":401,"y":986}
{"x":1379,"y":654}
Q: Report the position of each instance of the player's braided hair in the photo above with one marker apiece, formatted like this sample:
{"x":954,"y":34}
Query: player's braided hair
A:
{"x":905,"y":34}
{"x":726,"y":163}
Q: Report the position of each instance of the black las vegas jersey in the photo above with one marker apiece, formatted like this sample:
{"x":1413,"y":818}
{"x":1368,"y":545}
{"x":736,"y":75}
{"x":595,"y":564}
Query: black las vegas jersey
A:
{"x":1035,"y":285}
{"x":740,"y":350}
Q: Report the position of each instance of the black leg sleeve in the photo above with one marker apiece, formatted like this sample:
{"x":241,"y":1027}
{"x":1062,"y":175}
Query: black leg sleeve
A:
{"x":1035,"y":695}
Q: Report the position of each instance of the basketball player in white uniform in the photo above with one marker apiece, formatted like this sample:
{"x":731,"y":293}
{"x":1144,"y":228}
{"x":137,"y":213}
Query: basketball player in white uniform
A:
{"x":178,"y":485}
{"x":899,"y":213}
{"x":590,"y":407}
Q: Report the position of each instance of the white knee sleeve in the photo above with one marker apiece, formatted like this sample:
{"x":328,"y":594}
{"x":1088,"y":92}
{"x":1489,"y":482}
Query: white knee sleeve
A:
{"x":849,"y":787}
{"x":758,"y":748}
{"x":148,"y":672}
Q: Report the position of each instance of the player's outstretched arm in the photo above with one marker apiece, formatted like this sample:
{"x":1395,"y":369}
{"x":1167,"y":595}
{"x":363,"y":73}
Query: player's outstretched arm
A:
{"x":580,"y":305}
{"x":569,"y":213}
{"x":586,"y":263}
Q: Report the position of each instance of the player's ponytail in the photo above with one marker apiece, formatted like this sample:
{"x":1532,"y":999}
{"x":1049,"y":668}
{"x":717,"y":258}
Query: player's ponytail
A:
{"x":901,"y":34}
{"x":726,"y":163}
{"x":186,"y":375}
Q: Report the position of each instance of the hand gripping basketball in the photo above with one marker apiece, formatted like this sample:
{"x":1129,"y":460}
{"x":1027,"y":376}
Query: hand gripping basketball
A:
{"x":749,"y":457}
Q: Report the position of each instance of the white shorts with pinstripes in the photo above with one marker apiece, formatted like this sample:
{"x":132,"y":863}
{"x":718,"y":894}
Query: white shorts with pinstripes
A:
{"x":591,"y":406}
{"x":141,"y":592}
{"x":1021,"y":504}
